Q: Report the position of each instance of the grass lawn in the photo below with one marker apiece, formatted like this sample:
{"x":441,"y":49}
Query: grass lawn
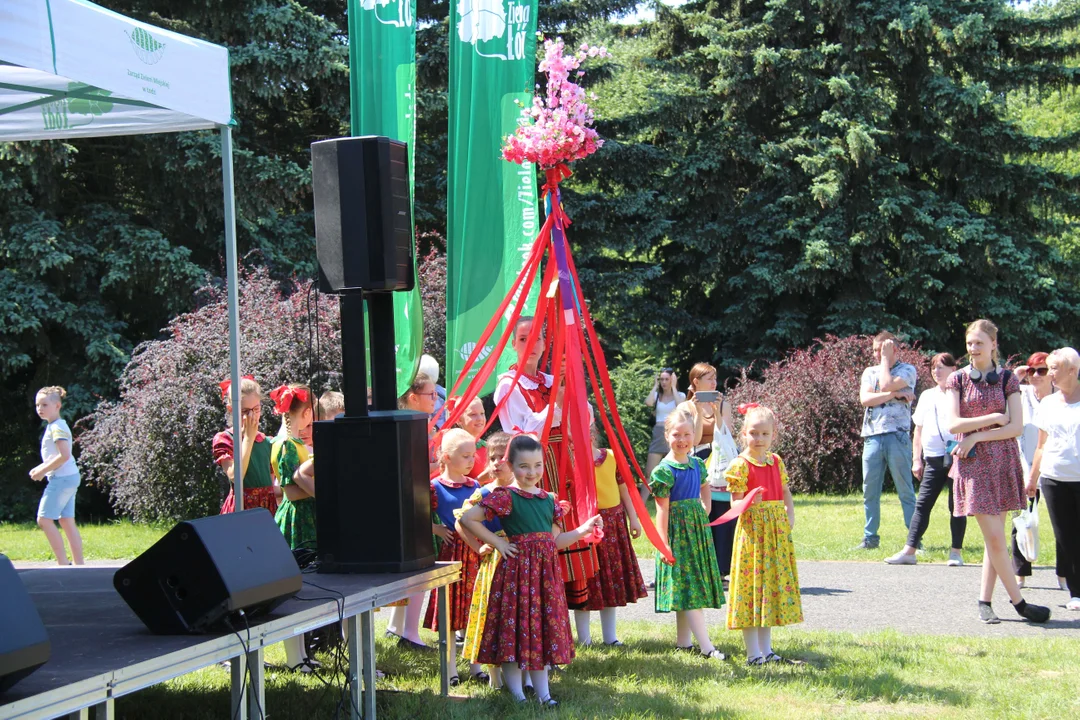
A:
{"x":845,"y":676}
{"x":827,"y":527}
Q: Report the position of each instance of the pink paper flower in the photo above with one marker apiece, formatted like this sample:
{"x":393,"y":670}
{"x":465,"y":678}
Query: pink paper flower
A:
{"x":557,"y":127}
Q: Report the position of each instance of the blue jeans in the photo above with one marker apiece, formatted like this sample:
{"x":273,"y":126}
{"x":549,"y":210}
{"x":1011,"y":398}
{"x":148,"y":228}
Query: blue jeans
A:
{"x":892,"y":450}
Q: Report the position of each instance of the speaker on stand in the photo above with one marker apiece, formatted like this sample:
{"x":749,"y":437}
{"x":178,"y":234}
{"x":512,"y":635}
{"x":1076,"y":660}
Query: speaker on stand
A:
{"x":371,"y":461}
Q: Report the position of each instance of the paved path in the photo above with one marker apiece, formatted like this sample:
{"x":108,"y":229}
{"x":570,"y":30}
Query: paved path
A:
{"x":863,"y":596}
{"x":927,"y":598}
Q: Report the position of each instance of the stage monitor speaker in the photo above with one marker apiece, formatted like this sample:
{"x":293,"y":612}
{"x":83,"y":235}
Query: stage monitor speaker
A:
{"x":203,"y":571}
{"x":24,"y":643}
{"x":363,"y":217}
{"x":375,"y":467}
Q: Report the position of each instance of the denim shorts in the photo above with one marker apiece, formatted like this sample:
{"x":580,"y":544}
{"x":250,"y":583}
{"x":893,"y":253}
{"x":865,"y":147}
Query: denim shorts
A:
{"x":58,"y":500}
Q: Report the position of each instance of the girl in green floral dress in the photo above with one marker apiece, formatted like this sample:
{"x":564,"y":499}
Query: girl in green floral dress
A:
{"x":681,"y":488}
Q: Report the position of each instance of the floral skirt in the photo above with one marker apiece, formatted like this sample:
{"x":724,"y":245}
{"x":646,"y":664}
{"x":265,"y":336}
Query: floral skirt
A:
{"x":528,"y":622}
{"x":459,"y":596}
{"x":694,"y":581}
{"x":764,"y":580}
{"x":297,"y":522}
{"x":618,"y":580}
{"x":478,"y":610}
{"x":990,"y":483}
{"x":253,"y":497}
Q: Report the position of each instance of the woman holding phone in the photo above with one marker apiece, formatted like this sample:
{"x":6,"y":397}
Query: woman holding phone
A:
{"x":665,"y":397}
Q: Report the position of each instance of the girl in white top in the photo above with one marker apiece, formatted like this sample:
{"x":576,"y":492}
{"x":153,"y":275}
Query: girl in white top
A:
{"x":931,"y":463}
{"x":665,"y":397}
{"x":58,"y":466}
{"x":1056,"y":465}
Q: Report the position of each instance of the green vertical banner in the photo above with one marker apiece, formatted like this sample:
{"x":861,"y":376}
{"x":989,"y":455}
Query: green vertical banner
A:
{"x":492,"y":211}
{"x":382,"y":80}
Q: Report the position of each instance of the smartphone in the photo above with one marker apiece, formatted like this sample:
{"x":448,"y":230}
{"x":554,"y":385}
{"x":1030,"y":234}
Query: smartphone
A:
{"x":707,"y":396}
{"x":952,"y":444}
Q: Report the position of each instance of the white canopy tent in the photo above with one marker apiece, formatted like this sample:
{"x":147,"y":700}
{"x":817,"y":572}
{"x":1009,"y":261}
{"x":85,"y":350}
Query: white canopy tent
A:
{"x":69,"y":68}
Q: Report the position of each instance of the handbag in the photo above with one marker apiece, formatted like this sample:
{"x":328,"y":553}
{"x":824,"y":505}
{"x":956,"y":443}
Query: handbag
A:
{"x":724,"y":452}
{"x":1027,"y":531}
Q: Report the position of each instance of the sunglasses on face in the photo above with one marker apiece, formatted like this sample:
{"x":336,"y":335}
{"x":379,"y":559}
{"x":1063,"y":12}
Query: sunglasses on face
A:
{"x":1040,"y":371}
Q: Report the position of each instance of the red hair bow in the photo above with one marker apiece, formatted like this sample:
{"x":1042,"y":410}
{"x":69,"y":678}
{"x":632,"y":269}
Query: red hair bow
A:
{"x":515,"y":432}
{"x":747,"y":407}
{"x":226,"y":385}
{"x":283,"y":397}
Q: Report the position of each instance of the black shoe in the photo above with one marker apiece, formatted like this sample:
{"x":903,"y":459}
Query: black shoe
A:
{"x":407,"y":644}
{"x":1032,"y":613}
{"x":867,"y":544}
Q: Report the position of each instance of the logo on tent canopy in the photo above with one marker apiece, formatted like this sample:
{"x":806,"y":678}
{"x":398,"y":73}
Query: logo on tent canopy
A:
{"x":495,"y":28}
{"x":73,"y":112}
{"x":400,"y":16}
{"x":146,"y":47}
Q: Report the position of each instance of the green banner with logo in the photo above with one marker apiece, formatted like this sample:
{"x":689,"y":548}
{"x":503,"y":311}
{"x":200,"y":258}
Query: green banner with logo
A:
{"x":382,"y":61}
{"x":492,"y":215}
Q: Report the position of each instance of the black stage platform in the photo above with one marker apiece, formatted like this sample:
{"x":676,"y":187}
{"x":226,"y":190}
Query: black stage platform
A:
{"x":101,"y":650}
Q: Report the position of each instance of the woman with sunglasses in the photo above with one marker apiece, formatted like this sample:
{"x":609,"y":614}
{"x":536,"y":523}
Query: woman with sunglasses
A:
{"x":984,"y":411}
{"x":1035,"y":386}
{"x":665,"y":397}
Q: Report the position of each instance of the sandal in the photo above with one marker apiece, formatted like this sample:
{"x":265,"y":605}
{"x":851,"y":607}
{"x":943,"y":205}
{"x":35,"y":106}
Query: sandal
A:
{"x":754,"y":662}
{"x":454,"y":681}
{"x":714,"y":655}
{"x":774,"y":658}
{"x":617,"y":643}
{"x":549,"y":702}
{"x":688,"y":648}
{"x":479,"y":676}
{"x":305,"y":666}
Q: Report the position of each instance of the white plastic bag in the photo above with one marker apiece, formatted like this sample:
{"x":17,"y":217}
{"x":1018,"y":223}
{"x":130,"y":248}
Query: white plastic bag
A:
{"x":724,"y":452}
{"x":1027,"y":531}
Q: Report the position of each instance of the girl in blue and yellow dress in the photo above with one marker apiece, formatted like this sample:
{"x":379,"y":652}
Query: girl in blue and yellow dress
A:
{"x":680,"y":485}
{"x":764,"y":580}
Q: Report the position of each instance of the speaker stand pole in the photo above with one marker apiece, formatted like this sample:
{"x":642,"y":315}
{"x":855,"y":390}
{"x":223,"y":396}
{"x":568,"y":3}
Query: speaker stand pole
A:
{"x":383,"y":352}
{"x":353,"y":355}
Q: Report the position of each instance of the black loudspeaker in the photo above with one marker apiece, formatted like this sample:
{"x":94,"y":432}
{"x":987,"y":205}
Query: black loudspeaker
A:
{"x":363,"y":217}
{"x":373,"y":507}
{"x":203,"y":571}
{"x":24,"y":644}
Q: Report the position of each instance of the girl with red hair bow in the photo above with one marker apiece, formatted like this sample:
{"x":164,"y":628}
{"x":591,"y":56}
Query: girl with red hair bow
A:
{"x":260,"y":489}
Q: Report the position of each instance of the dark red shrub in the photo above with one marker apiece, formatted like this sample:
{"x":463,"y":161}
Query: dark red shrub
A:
{"x":151,"y":448}
{"x":815,"y":395}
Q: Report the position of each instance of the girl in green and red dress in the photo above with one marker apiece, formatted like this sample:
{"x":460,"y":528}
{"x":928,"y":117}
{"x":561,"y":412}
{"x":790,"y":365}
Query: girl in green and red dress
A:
{"x":764,"y":579}
{"x":259,"y":487}
{"x":449,"y":491}
{"x":680,"y":485}
{"x":528,"y":624}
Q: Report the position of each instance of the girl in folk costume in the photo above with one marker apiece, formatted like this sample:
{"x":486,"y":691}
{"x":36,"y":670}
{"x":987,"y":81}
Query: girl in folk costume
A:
{"x":405,"y":617}
{"x":499,"y":470}
{"x":680,"y":485}
{"x":473,"y":422}
{"x":764,"y":580}
{"x":528,"y":624}
{"x":526,"y":410}
{"x":618,"y":580}
{"x":260,"y":490}
{"x":449,"y":492}
{"x":295,"y":515}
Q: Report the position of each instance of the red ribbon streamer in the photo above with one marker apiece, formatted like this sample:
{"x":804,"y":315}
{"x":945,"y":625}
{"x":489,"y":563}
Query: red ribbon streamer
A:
{"x":738,"y":507}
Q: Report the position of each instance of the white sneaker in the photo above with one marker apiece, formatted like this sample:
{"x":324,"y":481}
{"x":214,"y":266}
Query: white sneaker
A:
{"x":1073,"y":604}
{"x":902,"y":558}
{"x":955,"y":559}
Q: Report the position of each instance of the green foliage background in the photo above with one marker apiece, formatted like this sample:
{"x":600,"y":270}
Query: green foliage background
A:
{"x":774,"y":172}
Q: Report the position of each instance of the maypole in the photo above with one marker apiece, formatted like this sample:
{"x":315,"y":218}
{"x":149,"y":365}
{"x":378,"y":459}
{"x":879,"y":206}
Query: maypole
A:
{"x":556,"y":131}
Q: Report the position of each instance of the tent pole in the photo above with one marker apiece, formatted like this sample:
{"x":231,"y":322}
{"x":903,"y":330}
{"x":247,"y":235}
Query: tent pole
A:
{"x":234,"y":314}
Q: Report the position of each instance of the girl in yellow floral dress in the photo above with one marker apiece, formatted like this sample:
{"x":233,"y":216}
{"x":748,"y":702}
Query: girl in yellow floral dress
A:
{"x":764,"y":589}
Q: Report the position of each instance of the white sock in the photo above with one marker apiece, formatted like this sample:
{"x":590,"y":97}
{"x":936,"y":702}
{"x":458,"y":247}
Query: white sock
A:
{"x":526,"y":679}
{"x":397,"y":619}
{"x":451,"y":654}
{"x":696,"y":620}
{"x":495,"y":674}
{"x":764,"y":638}
{"x":540,"y":684}
{"x":410,"y":629}
{"x":753,"y":649}
{"x":581,"y":622}
{"x":607,"y":622}
{"x":294,"y":650}
{"x":511,"y":675}
{"x":682,"y":629}
{"x":475,"y":668}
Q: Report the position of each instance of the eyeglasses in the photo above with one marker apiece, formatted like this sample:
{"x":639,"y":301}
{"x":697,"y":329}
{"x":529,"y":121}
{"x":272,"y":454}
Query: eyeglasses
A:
{"x":1040,"y":371}
{"x":431,"y":394}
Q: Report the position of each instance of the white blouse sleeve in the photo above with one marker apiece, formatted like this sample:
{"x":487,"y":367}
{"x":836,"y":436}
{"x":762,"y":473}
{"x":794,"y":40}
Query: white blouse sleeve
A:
{"x":516,"y":415}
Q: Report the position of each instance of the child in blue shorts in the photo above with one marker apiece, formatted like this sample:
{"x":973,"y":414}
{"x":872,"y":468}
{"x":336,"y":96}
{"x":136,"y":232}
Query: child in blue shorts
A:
{"x":58,"y":466}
